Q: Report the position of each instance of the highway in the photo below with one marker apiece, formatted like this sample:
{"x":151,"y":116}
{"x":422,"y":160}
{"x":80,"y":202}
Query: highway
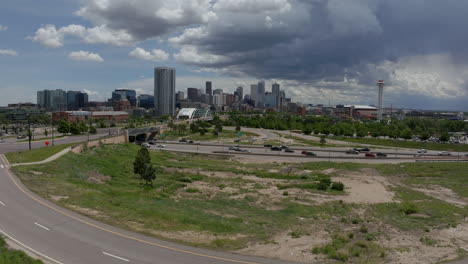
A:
{"x":323,"y":154}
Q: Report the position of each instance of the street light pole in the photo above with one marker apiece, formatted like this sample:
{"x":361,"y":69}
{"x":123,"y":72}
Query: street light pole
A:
{"x":53,"y":143}
{"x":29,"y":130}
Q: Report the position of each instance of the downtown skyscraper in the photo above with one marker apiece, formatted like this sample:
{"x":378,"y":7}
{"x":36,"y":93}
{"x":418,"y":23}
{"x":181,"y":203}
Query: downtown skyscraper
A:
{"x":164,"y":91}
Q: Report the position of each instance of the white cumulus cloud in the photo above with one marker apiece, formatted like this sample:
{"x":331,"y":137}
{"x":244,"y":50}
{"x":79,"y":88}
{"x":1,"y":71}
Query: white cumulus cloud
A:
{"x":85,"y":56}
{"x":8,"y":52}
{"x":3,"y":28}
{"x":154,"y":55}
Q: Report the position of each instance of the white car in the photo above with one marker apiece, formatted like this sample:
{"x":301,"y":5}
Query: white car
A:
{"x":444,"y":153}
{"x":146,"y":145}
{"x":2,"y":140}
{"x":422,"y":151}
{"x":161,"y":146}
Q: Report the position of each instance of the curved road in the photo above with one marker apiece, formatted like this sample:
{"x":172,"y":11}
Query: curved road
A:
{"x":61,"y":236}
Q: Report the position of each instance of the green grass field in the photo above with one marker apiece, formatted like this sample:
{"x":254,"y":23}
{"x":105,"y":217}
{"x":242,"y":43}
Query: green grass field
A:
{"x":11,"y":256}
{"x":406,"y":144}
{"x":224,"y":201}
{"x":35,"y":155}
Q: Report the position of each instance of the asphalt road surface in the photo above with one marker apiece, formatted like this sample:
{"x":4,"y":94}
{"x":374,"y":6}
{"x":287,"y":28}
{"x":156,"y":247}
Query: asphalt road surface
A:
{"x":61,"y":236}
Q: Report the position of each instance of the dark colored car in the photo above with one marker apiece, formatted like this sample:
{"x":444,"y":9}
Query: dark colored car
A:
{"x":268,"y":145}
{"x":288,"y":150}
{"x":237,"y":140}
{"x":352,"y":151}
{"x":284,"y":147}
{"x":370,"y":155}
{"x":380,"y":154}
{"x":183,"y":140}
{"x":310,"y":154}
{"x":362,"y":149}
{"x":21,"y":137}
{"x":190,"y":141}
{"x":275,"y":149}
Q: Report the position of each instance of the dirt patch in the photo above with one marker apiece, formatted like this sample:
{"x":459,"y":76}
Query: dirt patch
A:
{"x":443,"y":194}
{"x":408,"y":248}
{"x":57,"y":198}
{"x":185,"y":236}
{"x":86,"y":211}
{"x":284,"y":247}
{"x":97,"y":178}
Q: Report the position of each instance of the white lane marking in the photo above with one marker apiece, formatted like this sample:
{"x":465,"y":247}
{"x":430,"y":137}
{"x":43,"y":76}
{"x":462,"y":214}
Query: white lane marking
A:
{"x":41,"y":226}
{"x":1,"y":203}
{"x":110,"y":255}
{"x":30,"y":249}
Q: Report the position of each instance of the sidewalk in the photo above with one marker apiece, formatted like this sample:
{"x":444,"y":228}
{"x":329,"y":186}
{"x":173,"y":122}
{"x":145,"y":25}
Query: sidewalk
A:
{"x":49,"y":159}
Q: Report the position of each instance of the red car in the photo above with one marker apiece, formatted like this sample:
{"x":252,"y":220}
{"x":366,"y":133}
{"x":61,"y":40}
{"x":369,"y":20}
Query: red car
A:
{"x":370,"y":155}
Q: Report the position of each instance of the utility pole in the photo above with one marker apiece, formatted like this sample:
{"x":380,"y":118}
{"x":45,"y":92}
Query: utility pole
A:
{"x":29,"y":131}
{"x":52,"y":120}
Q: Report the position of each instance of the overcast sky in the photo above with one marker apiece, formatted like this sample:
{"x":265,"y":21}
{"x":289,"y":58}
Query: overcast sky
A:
{"x":320,"y":51}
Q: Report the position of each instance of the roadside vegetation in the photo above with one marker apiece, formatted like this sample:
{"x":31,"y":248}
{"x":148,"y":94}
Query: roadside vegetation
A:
{"x":217,"y":202}
{"x":11,"y":256}
{"x":35,"y":155}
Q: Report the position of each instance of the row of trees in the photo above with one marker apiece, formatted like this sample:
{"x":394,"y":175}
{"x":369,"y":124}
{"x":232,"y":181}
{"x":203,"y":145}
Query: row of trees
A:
{"x":75,"y":128}
{"x":424,"y":128}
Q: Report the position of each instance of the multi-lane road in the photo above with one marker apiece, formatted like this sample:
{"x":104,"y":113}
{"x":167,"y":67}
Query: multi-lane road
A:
{"x":58,"y":235}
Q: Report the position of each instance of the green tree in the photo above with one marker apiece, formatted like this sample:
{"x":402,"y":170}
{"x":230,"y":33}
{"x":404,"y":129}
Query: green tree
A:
{"x":46,"y":133}
{"x":75,"y":129}
{"x":183,"y":128}
{"x":194,"y":128}
{"x":142,"y":158}
{"x":424,"y":136}
{"x":323,"y":140}
{"x":92,"y":130}
{"x":149,"y":174}
{"x":219,"y":127}
{"x":406,"y":133}
{"x":444,"y":137}
{"x":63,"y":127}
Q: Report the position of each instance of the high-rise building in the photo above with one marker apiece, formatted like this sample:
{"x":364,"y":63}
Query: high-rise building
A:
{"x":218,"y":99}
{"x":275,"y":89}
{"x":192,"y":94}
{"x":271,"y":100}
{"x":209,"y":88}
{"x":180,"y":96}
{"x":254,"y":93}
{"x":261,"y":94}
{"x":164,"y":91}
{"x":52,"y":100}
{"x":125,"y":94}
{"x":146,"y":101}
{"x":239,"y":93}
{"x":76,"y":100}
{"x":218,"y":91}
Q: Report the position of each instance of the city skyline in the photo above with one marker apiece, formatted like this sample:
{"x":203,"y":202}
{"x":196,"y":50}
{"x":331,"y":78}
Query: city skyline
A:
{"x":81,"y":46}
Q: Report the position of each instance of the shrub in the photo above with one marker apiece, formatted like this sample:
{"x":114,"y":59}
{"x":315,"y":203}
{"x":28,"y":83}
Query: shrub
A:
{"x":192,"y":190}
{"x":355,"y":221}
{"x":408,"y":208}
{"x":188,"y":180}
{"x":295,"y":234}
{"x":337,"y":186}
{"x":363,"y":229}
{"x":326,"y":181}
{"x":285,"y":193}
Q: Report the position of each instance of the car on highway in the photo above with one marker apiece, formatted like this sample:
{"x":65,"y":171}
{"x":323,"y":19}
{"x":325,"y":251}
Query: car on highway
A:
{"x":152,"y":142}
{"x":310,"y":154}
{"x":161,"y":146}
{"x":444,"y":153}
{"x":370,"y":155}
{"x":275,"y":149}
{"x":352,"y":151}
{"x":381,"y":154}
{"x":21,"y":137}
{"x":190,"y":141}
{"x":183,"y":140}
{"x":232,"y":148}
{"x":288,"y":150}
{"x":422,"y":151}
{"x":245,"y":151}
{"x":267,"y":145}
{"x":466,"y":155}
{"x":237,"y":140}
{"x":2,"y":140}
{"x":284,"y":147}
{"x":146,"y":145}
{"x":362,"y":149}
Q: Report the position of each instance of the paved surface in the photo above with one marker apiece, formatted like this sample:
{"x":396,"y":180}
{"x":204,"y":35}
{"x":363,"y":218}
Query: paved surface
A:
{"x":61,"y":236}
{"x":11,"y":144}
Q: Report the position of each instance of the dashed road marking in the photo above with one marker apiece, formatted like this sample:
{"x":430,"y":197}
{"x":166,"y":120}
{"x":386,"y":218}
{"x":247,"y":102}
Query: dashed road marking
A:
{"x":114,"y":256}
{"x":41,"y":226}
